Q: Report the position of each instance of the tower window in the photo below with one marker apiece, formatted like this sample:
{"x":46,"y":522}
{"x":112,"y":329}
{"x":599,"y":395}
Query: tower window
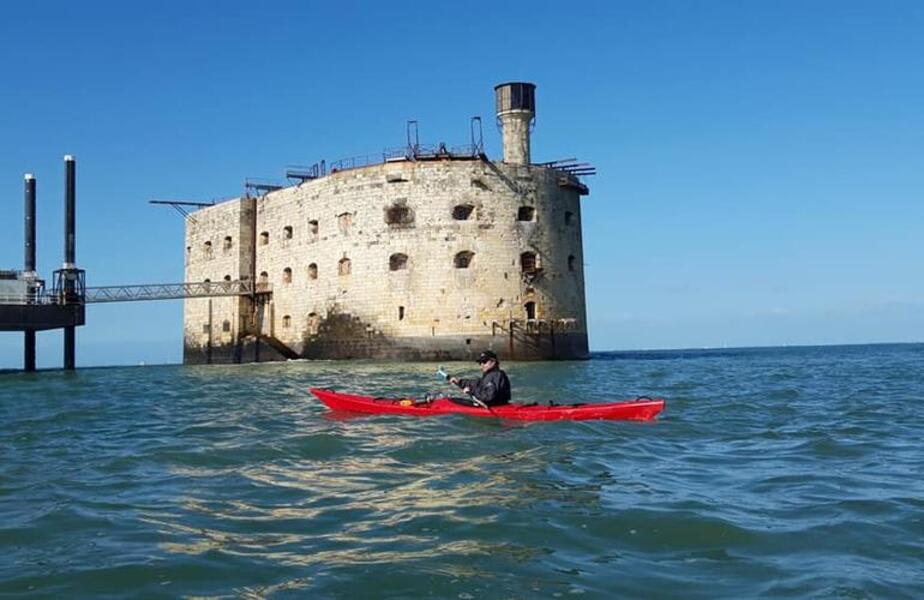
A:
{"x":344,"y":221}
{"x":462,"y":212}
{"x":313,"y":228}
{"x":530,"y":310}
{"x":569,"y":217}
{"x":572,"y":262}
{"x":397,"y":262}
{"x":344,"y":267}
{"x":264,"y":238}
{"x":314,"y":322}
{"x":287,"y":232}
{"x":207,"y":249}
{"x":313,"y":271}
{"x":526,"y":213}
{"x":399,"y":214}
{"x":227,"y":243}
{"x":400,"y":313}
{"x":529,"y":262}
{"x":463,"y":259}
{"x":226,"y":326}
{"x":264,"y":277}
{"x":227,"y":278}
{"x":287,"y":275}
{"x":286,"y":321}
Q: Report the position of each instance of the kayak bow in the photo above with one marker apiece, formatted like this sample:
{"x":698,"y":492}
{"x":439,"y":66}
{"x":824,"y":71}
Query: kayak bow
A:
{"x":642,"y":409}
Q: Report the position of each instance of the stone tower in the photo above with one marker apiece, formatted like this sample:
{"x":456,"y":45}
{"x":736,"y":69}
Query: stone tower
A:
{"x":516,"y":113}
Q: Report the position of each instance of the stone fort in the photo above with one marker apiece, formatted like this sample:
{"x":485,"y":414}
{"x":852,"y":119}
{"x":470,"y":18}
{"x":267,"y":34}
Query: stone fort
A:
{"x":428,"y":254}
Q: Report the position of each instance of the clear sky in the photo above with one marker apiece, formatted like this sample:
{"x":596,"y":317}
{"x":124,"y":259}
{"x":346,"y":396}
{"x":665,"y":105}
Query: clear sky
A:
{"x":761,"y":164}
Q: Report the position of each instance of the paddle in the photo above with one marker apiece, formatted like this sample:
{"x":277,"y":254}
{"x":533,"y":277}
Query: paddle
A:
{"x":478,"y":402}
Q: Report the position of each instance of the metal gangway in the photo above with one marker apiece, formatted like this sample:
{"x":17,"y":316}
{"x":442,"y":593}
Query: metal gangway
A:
{"x":147,"y":291}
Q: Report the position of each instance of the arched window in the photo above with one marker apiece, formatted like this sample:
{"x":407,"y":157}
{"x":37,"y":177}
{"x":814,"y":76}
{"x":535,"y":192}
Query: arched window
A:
{"x":226,"y":326}
{"x":397,"y":262}
{"x":227,"y":278}
{"x":313,"y":228}
{"x":526,"y":213}
{"x":313,"y":271}
{"x":530,"y":310}
{"x":344,"y":267}
{"x":264,"y":238}
{"x":569,"y":217}
{"x":287,"y":275}
{"x":228,"y":243}
{"x":463,"y":259}
{"x":529,"y":262}
{"x":462,"y":212}
{"x":344,"y":221}
{"x":264,"y":277}
{"x":399,"y":214}
{"x":287,"y":232}
{"x":207,"y":249}
{"x":314,"y":322}
{"x":572,"y":262}
{"x":400,"y":313}
{"x":286,"y":321}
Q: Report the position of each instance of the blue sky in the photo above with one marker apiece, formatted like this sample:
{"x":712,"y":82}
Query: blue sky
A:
{"x":761,"y":164}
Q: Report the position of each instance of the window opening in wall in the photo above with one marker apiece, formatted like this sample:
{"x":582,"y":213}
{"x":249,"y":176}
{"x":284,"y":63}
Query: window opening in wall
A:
{"x":313,"y":228}
{"x":206,"y":328}
{"x":529,"y":262}
{"x":463,"y":259}
{"x":397,"y":262}
{"x":399,"y":214}
{"x":227,"y":243}
{"x":264,"y":277}
{"x":530,"y":310}
{"x":314,"y":322}
{"x":207,"y":248}
{"x":569,"y":217}
{"x":344,"y":221}
{"x":286,"y":321}
{"x":462,"y":212}
{"x":226,"y":326}
{"x":312,"y":271}
{"x":572,"y":262}
{"x":344,"y":267}
{"x":526,"y":213}
{"x":400,"y":313}
{"x":188,"y":253}
{"x":287,"y":275}
{"x":264,"y":238}
{"x":287,"y":232}
{"x":227,"y":278}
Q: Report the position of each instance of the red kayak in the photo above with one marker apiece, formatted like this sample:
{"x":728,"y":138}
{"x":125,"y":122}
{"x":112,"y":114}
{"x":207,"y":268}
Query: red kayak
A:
{"x":642,"y":409}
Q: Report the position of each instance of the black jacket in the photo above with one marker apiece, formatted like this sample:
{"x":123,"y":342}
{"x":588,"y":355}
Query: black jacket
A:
{"x":493,"y":388}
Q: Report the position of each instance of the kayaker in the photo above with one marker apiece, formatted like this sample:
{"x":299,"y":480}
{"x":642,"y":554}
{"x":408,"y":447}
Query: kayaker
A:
{"x":493,"y":388}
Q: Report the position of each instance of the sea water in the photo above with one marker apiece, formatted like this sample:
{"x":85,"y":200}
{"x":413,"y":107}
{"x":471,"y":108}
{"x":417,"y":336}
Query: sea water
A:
{"x":778,"y":472}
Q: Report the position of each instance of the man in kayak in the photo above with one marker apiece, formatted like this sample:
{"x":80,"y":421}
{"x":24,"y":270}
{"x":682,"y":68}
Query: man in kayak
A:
{"x":493,"y":388}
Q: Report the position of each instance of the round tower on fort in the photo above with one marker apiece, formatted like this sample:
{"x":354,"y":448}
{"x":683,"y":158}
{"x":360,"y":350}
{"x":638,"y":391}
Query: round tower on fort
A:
{"x":426,"y":255}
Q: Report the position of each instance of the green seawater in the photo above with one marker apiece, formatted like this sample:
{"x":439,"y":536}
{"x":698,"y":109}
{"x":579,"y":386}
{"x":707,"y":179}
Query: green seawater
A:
{"x":781,"y":472}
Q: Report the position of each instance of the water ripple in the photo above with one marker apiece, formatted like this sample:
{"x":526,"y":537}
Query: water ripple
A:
{"x":773,"y":472}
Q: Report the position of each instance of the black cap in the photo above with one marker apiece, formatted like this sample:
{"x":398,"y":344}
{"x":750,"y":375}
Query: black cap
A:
{"x":486,"y":356}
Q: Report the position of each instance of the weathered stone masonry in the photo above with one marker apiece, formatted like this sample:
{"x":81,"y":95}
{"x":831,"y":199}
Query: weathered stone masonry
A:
{"x":410,"y":259}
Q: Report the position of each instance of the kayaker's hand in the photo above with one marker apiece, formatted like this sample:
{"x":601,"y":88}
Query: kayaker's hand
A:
{"x":454,"y":380}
